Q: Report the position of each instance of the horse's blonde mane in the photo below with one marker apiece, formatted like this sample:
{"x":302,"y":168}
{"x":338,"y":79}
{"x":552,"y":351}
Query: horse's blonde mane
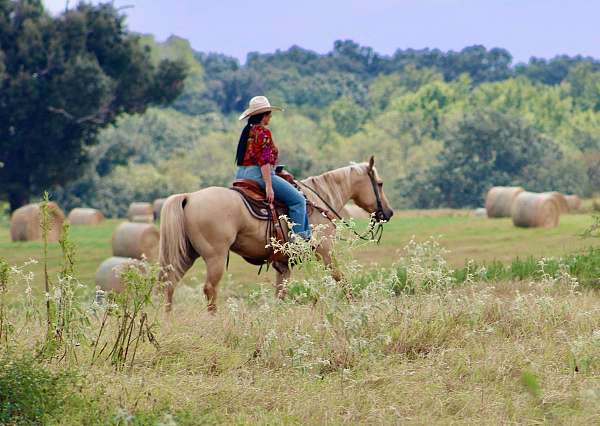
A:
{"x":335,"y":185}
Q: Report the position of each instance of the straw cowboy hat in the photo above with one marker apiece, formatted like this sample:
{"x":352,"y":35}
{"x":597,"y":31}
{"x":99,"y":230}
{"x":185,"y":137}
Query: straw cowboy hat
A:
{"x":257,"y":105}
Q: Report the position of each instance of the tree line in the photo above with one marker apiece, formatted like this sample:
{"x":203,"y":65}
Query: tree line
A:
{"x":299,"y":76}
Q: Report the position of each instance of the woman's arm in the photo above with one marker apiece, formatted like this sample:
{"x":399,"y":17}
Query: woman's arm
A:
{"x":265,"y":170}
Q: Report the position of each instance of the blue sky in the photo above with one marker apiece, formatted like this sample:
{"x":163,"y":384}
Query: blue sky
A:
{"x":542,"y":28}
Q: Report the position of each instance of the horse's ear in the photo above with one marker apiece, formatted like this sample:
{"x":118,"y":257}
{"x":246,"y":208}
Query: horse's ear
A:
{"x":371,"y":162}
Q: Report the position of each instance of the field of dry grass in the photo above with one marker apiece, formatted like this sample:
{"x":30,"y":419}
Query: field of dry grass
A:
{"x":509,"y":353}
{"x":420,"y":348}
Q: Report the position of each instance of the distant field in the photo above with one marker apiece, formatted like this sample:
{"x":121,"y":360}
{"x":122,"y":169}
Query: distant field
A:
{"x":466,"y":237}
{"x":483,"y":239}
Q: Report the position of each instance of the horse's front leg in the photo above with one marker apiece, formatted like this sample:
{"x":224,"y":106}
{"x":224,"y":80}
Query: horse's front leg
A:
{"x":283,"y":275}
{"x":324,"y":251}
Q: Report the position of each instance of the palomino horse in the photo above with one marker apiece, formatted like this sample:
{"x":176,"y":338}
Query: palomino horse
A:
{"x":210,"y":222}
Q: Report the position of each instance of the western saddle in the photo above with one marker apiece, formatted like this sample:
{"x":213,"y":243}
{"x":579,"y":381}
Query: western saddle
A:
{"x":255,"y":199}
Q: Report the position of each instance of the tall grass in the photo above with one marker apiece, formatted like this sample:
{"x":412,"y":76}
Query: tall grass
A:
{"x":5,"y":326}
{"x":127,"y":317}
{"x":66,"y":317}
{"x":32,"y":394}
{"x":585,"y":266}
{"x":62,"y":326}
{"x":45,"y":225}
{"x":424,"y":267}
{"x":419,"y":342}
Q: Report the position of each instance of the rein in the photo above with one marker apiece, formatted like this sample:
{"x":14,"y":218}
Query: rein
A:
{"x":375,"y":230}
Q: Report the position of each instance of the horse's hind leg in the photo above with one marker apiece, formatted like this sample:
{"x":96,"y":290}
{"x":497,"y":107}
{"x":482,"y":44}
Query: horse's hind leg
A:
{"x":215,"y":266}
{"x":169,"y":290}
{"x":171,"y":278}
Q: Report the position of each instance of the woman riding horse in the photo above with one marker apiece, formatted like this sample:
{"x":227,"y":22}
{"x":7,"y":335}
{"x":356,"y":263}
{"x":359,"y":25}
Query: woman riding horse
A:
{"x":256,"y":159}
{"x":214,"y":221}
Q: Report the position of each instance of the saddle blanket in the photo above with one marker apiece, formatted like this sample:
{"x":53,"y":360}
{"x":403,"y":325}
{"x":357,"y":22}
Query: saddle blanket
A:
{"x":259,"y":209}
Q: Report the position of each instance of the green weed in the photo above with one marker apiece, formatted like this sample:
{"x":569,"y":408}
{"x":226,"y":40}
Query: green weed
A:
{"x":5,"y":325}
{"x":531,"y":383}
{"x":126,"y":316}
{"x":30,"y":393}
{"x":66,"y":316}
{"x":584,"y":266}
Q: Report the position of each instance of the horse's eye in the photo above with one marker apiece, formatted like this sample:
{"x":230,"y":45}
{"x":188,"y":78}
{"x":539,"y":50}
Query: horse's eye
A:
{"x":380,"y":184}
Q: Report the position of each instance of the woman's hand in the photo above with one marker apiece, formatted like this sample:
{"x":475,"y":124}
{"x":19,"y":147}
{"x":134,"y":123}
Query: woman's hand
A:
{"x":270,"y":194}
{"x":265,"y":170}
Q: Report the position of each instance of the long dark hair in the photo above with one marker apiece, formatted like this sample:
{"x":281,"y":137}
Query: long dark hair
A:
{"x":243,"y":143}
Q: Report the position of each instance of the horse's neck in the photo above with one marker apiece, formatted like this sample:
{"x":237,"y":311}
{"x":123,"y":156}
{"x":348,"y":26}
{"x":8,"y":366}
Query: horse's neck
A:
{"x":334,"y":187}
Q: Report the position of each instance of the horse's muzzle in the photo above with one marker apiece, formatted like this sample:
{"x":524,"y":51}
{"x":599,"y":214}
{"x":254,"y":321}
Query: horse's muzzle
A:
{"x":384,"y":215}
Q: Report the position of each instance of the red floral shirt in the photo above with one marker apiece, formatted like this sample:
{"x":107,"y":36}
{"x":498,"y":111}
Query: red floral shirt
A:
{"x":261,"y":149}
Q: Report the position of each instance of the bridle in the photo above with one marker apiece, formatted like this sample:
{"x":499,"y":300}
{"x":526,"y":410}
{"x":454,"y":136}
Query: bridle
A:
{"x":378,"y":219}
{"x":375,"y":230}
{"x":379,"y":213}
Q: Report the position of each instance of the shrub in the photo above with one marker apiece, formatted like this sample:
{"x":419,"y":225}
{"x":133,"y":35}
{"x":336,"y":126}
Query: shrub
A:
{"x":30,"y":393}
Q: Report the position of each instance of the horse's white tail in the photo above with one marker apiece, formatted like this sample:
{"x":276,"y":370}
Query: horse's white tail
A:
{"x":176,"y":253}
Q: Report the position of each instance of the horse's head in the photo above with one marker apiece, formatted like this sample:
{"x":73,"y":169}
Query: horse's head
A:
{"x":367,"y":191}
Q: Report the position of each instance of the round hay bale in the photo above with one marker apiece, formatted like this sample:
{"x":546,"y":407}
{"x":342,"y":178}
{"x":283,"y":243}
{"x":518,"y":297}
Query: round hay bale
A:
{"x":136,"y":240}
{"x":499,"y":200}
{"x":85,"y":216}
{"x":108,"y":274}
{"x":157,"y":207}
{"x":25,"y":223}
{"x":142,"y":218}
{"x":561,"y":200}
{"x":352,"y":211}
{"x":574,"y":202}
{"x":139,"y":209}
{"x":535,"y":210}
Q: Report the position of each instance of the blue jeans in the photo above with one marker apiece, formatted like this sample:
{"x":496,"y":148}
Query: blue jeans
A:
{"x":285,"y":193}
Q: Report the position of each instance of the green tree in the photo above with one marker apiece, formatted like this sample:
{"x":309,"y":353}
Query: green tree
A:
{"x":552,"y":71}
{"x":65,"y":78}
{"x":347,"y":116}
{"x":192,"y":101}
{"x":432,"y":101}
{"x":481,"y":64}
{"x":545,"y":107}
{"x":387,"y":87}
{"x":486,"y":148}
{"x":584,"y":86}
